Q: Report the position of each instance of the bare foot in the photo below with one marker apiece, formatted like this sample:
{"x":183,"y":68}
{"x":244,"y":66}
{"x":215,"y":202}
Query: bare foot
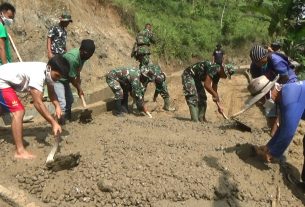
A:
{"x":263,"y":152}
{"x":24,"y":155}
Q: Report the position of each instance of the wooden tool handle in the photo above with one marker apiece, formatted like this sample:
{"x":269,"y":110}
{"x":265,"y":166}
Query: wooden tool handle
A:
{"x":14,"y":47}
{"x":223,"y":114}
{"x":242,"y":111}
{"x":83,"y":100}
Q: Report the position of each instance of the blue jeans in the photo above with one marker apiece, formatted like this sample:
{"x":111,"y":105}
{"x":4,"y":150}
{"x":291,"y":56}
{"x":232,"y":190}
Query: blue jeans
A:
{"x":64,"y":95}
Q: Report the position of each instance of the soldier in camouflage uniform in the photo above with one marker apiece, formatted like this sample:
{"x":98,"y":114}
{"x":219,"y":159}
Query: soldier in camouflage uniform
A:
{"x":194,"y":91}
{"x":159,"y":78}
{"x":141,"y":51}
{"x":57,"y":36}
{"x":56,"y":41}
{"x":122,"y":81}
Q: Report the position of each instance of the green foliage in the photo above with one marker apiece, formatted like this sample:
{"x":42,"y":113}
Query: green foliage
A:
{"x":191,"y":28}
{"x":286,"y":23}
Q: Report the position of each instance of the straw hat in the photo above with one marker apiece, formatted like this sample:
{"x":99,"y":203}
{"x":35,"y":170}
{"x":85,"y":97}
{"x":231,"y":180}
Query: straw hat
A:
{"x":259,"y":87}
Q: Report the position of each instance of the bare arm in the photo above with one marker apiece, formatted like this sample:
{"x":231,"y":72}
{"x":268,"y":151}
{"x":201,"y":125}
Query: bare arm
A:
{"x":50,"y":54}
{"x":208,"y":86}
{"x":2,"y":51}
{"x":42,"y":109}
{"x":54,"y":100}
{"x":212,"y":89}
{"x":215,"y":87}
{"x":77,"y":84}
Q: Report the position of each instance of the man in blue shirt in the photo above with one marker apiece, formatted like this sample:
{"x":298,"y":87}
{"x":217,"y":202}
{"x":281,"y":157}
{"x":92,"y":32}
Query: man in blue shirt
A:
{"x":291,"y":100}
{"x":272,"y":64}
{"x":275,"y":63}
{"x":218,"y":55}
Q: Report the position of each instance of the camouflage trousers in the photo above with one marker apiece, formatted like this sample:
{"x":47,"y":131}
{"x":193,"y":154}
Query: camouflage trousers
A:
{"x":193,"y":90}
{"x":120,"y":90}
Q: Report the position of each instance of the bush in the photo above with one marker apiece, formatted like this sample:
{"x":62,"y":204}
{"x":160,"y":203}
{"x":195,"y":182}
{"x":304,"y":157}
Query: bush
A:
{"x":191,"y":28}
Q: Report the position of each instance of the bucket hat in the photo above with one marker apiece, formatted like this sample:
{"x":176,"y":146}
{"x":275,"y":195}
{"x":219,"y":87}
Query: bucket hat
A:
{"x":258,"y":88}
{"x":257,"y":53}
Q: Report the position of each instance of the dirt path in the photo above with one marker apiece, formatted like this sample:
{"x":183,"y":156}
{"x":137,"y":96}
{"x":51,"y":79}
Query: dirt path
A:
{"x":164,"y":161}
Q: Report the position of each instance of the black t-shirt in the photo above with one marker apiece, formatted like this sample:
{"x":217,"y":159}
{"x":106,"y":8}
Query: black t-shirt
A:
{"x":218,"y":56}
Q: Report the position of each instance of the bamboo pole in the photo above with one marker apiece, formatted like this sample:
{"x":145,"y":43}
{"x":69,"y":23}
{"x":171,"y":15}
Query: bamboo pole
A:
{"x":14,"y":46}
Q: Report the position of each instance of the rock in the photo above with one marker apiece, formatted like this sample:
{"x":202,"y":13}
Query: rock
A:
{"x":21,"y":179}
{"x":105,"y":186}
{"x":86,"y":199}
{"x":102,"y":55}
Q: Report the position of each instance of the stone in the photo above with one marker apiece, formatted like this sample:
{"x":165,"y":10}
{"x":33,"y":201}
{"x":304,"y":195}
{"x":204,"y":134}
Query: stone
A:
{"x":105,"y":186}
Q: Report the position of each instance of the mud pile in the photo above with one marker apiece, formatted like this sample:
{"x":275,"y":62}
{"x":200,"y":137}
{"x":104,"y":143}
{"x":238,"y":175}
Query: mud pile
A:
{"x":136,"y":161}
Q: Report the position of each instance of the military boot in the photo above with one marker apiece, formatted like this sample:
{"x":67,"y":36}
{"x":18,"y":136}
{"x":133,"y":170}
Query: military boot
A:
{"x":201,"y":113}
{"x":166,"y":106}
{"x":118,"y":108}
{"x":194,"y":113}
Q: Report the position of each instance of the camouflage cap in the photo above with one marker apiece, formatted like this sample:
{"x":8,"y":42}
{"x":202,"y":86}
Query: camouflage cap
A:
{"x":213,"y":66}
{"x":65,"y":17}
{"x":229,"y":70}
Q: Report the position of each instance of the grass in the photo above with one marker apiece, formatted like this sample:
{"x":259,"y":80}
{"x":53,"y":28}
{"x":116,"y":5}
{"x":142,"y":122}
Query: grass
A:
{"x":191,"y":28}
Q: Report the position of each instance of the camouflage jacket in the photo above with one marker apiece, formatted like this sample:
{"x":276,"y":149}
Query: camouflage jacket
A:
{"x":200,"y":70}
{"x":145,"y":37}
{"x":58,"y":37}
{"x":128,"y":77}
{"x":154,"y":73}
{"x":143,"y":40}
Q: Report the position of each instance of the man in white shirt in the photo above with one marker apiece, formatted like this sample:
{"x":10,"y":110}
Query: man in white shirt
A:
{"x":30,"y":76}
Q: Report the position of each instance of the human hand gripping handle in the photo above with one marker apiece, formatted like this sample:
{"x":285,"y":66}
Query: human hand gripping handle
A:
{"x":216,"y":100}
{"x":83,"y":101}
{"x":56,"y":128}
{"x":146,"y":111}
{"x":220,"y":110}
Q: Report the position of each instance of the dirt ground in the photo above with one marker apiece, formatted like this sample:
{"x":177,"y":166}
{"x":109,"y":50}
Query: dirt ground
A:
{"x":134,"y":160}
{"x":163,"y":161}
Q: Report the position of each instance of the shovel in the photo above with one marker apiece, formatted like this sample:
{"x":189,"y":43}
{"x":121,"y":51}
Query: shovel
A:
{"x":61,"y":162}
{"x":86,"y":115}
{"x":235,"y":123}
{"x":54,"y":149}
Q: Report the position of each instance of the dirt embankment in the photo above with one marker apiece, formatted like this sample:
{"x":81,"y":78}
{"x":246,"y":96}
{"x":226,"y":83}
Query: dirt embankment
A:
{"x":90,"y":20}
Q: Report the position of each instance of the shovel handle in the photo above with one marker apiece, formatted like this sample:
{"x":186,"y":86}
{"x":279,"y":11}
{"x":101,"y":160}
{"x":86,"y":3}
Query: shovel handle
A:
{"x":223,"y":114}
{"x":83,"y":100}
{"x":240,"y":112}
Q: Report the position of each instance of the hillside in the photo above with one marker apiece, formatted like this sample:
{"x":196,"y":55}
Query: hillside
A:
{"x":90,"y":20}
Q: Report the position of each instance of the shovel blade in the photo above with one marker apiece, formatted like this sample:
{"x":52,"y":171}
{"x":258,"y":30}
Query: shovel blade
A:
{"x":241,"y":126}
{"x":54,"y":149}
{"x":85,"y":116}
